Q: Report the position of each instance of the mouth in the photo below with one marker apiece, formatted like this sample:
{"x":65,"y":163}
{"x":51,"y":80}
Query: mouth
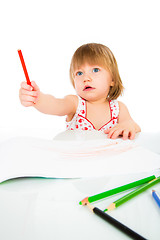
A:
{"x":88,"y":88}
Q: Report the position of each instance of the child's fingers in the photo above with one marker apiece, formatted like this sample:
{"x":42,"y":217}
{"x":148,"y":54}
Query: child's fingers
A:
{"x":29,"y":93}
{"x":107,"y":131}
{"x":27,"y":98}
{"x":27,"y":104}
{"x":24,"y":85}
{"x":35,"y":86}
{"x":132,"y":135}
{"x":120,"y":130}
{"x":125,"y":134}
{"x":111,"y":131}
{"x":114,"y":133}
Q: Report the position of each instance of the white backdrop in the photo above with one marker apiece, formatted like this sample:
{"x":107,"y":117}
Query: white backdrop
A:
{"x":48,"y":32}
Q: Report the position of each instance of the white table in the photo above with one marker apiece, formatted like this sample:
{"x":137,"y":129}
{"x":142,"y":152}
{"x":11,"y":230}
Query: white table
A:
{"x":38,"y":208}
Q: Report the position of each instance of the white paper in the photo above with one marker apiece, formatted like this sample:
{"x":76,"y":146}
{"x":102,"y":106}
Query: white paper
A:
{"x":86,"y":155}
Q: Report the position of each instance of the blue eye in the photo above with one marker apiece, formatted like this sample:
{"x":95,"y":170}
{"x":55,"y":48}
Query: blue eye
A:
{"x":96,"y":70}
{"x":79,"y":73}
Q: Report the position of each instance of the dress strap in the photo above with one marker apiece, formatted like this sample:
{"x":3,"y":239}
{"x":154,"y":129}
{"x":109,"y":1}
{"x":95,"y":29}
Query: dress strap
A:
{"x":114,"y":107}
{"x":81,"y":110}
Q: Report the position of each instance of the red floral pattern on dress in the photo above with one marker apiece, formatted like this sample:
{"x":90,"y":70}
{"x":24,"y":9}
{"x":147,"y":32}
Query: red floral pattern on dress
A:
{"x":80,"y":121}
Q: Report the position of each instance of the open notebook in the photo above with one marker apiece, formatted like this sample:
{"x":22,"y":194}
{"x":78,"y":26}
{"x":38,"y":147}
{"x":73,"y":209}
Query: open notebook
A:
{"x":73,"y":155}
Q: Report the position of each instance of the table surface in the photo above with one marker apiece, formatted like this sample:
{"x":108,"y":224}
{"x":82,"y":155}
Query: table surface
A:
{"x":39,"y":208}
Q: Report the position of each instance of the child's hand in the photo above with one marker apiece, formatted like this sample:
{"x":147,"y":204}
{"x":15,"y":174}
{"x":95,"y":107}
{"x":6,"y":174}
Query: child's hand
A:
{"x":126,"y":129}
{"x":28,"y":95}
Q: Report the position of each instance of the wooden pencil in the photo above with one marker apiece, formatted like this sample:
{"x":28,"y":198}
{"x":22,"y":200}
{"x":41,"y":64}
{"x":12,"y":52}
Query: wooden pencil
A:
{"x":116,"y":190}
{"x":24,"y":67}
{"x":156,"y":197}
{"x":132,"y":194}
{"x":123,"y":228}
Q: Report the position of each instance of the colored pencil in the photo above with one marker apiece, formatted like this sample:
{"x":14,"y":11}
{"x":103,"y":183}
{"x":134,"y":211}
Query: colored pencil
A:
{"x":156,"y":197}
{"x":115,"y":190}
{"x":24,"y":67}
{"x":132,"y":194}
{"x":132,"y":234}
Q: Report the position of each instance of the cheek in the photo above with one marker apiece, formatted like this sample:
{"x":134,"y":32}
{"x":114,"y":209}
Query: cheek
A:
{"x":77,"y":86}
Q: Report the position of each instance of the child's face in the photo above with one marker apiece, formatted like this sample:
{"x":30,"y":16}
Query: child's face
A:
{"x":92,"y":82}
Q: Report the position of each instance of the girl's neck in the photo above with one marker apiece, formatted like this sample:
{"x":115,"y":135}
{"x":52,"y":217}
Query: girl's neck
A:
{"x":97,"y":101}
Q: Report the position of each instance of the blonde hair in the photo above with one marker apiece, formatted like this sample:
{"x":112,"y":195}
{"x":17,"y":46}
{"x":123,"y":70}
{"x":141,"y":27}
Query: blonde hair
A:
{"x":94,"y":53}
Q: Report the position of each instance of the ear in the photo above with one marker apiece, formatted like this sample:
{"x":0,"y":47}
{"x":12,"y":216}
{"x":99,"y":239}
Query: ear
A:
{"x":112,"y":83}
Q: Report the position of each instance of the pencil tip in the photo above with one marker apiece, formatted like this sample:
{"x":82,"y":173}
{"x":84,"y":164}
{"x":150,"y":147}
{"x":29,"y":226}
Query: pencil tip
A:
{"x":84,"y":201}
{"x":80,"y":203}
{"x":111,"y":207}
{"x":105,"y":210}
{"x":153,"y":190}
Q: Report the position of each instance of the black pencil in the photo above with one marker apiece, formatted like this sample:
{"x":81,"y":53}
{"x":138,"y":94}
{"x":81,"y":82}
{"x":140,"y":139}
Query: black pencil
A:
{"x":116,"y":223}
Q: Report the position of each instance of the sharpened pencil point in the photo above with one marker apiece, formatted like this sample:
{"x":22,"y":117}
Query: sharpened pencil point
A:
{"x":84,"y":201}
{"x":110,"y":207}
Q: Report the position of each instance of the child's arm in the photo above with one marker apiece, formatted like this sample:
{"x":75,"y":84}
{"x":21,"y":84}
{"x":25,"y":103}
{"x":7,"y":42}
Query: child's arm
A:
{"x":126,"y":127}
{"x":48,"y":104}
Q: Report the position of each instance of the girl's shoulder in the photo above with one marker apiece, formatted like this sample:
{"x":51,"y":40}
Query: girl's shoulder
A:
{"x":123,"y":112}
{"x":121,"y":105}
{"x":72,"y":101}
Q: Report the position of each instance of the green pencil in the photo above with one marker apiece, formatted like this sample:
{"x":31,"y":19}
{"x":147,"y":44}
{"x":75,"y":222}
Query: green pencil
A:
{"x":132,"y":194}
{"x":115,"y":190}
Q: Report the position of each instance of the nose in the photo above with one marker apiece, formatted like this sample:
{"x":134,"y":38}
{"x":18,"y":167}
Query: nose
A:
{"x":87,"y":77}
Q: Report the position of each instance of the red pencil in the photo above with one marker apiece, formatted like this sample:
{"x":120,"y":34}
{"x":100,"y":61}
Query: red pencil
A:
{"x":24,"y":67}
